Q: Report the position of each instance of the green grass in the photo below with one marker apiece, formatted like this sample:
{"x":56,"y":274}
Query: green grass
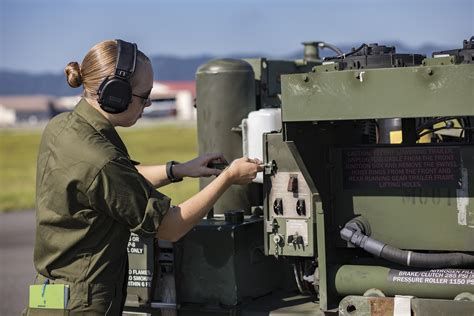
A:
{"x":149,"y":145}
{"x":18,"y":169}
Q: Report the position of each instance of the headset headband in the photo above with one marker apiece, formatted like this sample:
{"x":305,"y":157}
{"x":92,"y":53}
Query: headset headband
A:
{"x":126,"y":59}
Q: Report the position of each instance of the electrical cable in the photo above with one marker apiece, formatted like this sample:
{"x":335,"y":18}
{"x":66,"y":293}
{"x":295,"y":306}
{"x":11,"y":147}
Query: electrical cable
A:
{"x":463,"y":121}
{"x":432,"y":122}
{"x":342,"y":56}
{"x":442,"y":128}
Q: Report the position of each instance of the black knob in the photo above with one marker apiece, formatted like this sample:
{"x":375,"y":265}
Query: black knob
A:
{"x":278,"y":206}
{"x":234,"y":217}
{"x":299,"y":240}
{"x":301,"y":207}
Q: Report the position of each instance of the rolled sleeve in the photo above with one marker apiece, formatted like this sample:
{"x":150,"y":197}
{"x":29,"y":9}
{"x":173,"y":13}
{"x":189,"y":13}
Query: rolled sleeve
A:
{"x":121,"y":192}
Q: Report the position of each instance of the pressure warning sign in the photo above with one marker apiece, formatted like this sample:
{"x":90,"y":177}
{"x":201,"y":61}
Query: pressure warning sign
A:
{"x":139,"y":278}
{"x":401,"y":167}
{"x":445,"y":276}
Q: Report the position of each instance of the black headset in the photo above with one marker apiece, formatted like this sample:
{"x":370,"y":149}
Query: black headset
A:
{"x":115,"y":92}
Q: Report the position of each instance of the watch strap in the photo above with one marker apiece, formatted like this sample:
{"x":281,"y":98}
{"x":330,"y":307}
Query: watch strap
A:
{"x":169,"y":171}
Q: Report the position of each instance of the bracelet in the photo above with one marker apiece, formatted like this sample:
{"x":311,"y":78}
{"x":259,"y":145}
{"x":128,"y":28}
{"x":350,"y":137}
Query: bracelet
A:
{"x":169,"y":171}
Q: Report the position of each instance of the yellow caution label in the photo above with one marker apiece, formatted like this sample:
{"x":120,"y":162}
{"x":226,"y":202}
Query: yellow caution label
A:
{"x":396,"y":137}
{"x":426,"y":138}
{"x":54,"y":296}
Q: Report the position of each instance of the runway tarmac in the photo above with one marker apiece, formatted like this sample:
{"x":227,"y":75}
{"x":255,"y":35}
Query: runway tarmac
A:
{"x":17,"y":235}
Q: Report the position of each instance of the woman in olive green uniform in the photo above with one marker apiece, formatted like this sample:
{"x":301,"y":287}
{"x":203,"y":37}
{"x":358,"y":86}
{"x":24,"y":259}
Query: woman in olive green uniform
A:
{"x":91,"y":195}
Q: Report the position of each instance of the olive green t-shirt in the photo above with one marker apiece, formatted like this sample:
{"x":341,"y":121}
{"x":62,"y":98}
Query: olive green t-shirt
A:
{"x":89,"y":197}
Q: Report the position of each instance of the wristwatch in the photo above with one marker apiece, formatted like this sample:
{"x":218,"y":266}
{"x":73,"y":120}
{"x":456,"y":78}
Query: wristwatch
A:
{"x":169,"y":171}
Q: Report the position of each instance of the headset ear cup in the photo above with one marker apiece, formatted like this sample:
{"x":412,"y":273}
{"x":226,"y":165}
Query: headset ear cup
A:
{"x":100,"y":92}
{"x":114,"y":95}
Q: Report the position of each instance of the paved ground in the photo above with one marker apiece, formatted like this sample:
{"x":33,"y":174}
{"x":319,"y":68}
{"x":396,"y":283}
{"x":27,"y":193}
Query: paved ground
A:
{"x":17,"y":231}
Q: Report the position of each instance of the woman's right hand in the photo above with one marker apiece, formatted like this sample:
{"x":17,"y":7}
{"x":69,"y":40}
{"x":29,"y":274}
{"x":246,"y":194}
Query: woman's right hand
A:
{"x":243,"y":170}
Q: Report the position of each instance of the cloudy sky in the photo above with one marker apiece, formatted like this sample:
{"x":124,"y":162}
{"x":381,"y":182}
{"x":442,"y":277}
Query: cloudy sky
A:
{"x":44,"y":35}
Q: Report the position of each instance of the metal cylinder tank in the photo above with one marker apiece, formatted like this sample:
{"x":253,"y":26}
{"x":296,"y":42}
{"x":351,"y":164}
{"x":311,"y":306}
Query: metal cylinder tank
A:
{"x":225,"y":94}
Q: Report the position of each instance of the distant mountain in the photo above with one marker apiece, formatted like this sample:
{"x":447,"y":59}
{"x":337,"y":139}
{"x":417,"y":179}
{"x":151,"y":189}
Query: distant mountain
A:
{"x":21,"y":83}
{"x":171,"y":68}
{"x":166,"y":68}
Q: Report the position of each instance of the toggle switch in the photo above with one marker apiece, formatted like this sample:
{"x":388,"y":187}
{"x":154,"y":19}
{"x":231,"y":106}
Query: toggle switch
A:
{"x":293,"y":184}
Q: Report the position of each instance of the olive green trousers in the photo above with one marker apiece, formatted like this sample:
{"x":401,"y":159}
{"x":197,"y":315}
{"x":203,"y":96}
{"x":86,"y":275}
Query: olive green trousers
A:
{"x":86,"y":299}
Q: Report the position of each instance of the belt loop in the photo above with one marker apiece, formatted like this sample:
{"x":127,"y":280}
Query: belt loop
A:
{"x":85,"y":292}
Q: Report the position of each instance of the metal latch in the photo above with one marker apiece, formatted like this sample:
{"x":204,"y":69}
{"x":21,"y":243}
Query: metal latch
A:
{"x":270,"y":167}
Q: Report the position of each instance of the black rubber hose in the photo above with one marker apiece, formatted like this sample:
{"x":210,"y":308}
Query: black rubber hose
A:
{"x":353,"y":234}
{"x":427,"y":260}
{"x":331,"y":47}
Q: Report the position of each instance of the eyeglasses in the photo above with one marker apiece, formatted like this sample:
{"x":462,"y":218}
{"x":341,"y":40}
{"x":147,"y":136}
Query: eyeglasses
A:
{"x":146,"y":99}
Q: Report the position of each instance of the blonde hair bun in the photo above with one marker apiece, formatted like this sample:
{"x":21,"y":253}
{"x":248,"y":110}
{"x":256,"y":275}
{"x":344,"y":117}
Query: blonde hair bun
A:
{"x":73,"y":74}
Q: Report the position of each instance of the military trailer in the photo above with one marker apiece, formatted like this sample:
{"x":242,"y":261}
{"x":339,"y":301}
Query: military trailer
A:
{"x":365,"y":206}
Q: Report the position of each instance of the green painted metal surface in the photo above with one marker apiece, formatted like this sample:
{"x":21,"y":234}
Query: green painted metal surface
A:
{"x":439,"y":61}
{"x":357,"y":279}
{"x":423,"y":218}
{"x":268,"y":77}
{"x":327,"y":67}
{"x":220,"y":263}
{"x":379,"y":93}
{"x":225,"y":96}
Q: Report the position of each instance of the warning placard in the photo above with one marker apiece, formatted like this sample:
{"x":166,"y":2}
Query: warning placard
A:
{"x":402,"y":167}
{"x":135,"y":244}
{"x":139,"y":278}
{"x":445,"y":276}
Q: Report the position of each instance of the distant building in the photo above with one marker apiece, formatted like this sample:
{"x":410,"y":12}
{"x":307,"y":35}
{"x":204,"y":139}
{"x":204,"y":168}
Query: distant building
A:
{"x":173,"y":98}
{"x":169,"y":99}
{"x":66,"y":103}
{"x":27,"y":109}
{"x":7,"y":116}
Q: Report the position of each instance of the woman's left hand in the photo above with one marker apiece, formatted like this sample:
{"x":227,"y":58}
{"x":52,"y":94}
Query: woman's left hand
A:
{"x":198,"y":167}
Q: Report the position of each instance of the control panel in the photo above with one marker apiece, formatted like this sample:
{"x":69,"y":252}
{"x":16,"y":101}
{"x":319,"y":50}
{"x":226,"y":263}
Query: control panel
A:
{"x":289,"y":204}
{"x":290,"y":195}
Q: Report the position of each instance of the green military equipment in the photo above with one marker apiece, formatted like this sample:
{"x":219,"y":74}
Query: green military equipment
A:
{"x":225,"y":95}
{"x":367,"y":191}
{"x":222,"y":262}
